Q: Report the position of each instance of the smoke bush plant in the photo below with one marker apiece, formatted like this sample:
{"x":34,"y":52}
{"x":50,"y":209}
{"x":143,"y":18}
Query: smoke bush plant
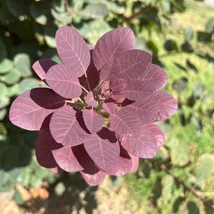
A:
{"x":97,"y":115}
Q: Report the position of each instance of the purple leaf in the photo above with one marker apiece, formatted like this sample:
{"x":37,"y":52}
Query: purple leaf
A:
{"x":117,"y":85}
{"x":159,"y":106}
{"x":44,"y":144}
{"x":30,"y":109}
{"x":123,"y":165}
{"x":158,"y":134}
{"x":42,"y":66}
{"x":103,"y":148}
{"x":93,"y":121}
{"x":109,"y":107}
{"x":155,"y":76}
{"x":72,"y":50}
{"x":90,"y":99}
{"x":144,"y":146}
{"x":92,"y":76}
{"x":65,"y":128}
{"x":125,"y":122}
{"x":95,"y":179}
{"x":66,"y":159}
{"x":151,"y":80}
{"x":112,"y":44}
{"x":129,"y":65}
{"x":135,"y":163}
{"x":63,"y":81}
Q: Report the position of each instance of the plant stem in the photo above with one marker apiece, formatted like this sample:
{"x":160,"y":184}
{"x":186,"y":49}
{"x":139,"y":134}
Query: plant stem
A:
{"x":84,"y":89}
{"x":180,"y":182}
{"x":142,"y":10}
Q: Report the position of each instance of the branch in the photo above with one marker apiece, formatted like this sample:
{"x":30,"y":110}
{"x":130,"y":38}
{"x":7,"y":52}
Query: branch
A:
{"x":178,"y":181}
{"x":142,"y":10}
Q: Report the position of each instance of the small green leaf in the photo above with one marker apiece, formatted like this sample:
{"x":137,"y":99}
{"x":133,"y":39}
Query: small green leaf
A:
{"x":23,"y":64}
{"x":50,"y":32}
{"x":94,"y":30}
{"x":188,"y":34}
{"x":59,"y":6}
{"x":116,"y":7}
{"x":3,"y":113}
{"x":204,"y":167}
{"x":171,"y":45}
{"x":210,"y":26}
{"x":60,"y":189}
{"x":12,"y":77}
{"x":180,"y":84}
{"x":17,"y":197}
{"x":6,"y":65}
{"x":40,"y":11}
{"x":168,"y":186}
{"x":28,"y":83}
{"x":63,"y":18}
{"x":24,"y":177}
{"x":13,"y":90}
{"x":4,"y":101}
{"x":186,"y":47}
{"x":95,"y":11}
{"x":35,"y":181}
{"x":3,"y":89}
{"x":180,"y":153}
{"x":152,"y":46}
{"x":204,"y":36}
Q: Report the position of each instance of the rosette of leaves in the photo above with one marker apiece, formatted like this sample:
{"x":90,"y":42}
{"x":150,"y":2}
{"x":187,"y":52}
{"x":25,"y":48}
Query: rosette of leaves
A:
{"x":97,"y":116}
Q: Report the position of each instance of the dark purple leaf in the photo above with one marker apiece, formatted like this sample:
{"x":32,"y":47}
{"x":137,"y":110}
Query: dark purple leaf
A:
{"x":144,"y":146}
{"x":63,"y":81}
{"x":30,"y":109}
{"x":109,"y":107}
{"x":42,"y":66}
{"x":123,"y":165}
{"x":93,"y":121}
{"x":95,"y":179}
{"x":103,"y":148}
{"x":135,"y":163}
{"x":125,"y":122}
{"x":72,"y":50}
{"x":129,"y":65}
{"x":85,"y":160}
{"x":158,"y":134}
{"x":90,"y":99}
{"x":65,"y":128}
{"x":112,"y":44}
{"x":66,"y":159}
{"x":151,"y":80}
{"x":43,"y":146}
{"x":159,"y":106}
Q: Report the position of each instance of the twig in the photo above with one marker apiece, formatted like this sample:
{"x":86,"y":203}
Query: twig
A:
{"x":177,"y":180}
{"x":142,"y":10}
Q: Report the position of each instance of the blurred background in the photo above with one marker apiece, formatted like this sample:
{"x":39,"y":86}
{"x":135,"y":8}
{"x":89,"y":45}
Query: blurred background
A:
{"x":180,"y":36}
